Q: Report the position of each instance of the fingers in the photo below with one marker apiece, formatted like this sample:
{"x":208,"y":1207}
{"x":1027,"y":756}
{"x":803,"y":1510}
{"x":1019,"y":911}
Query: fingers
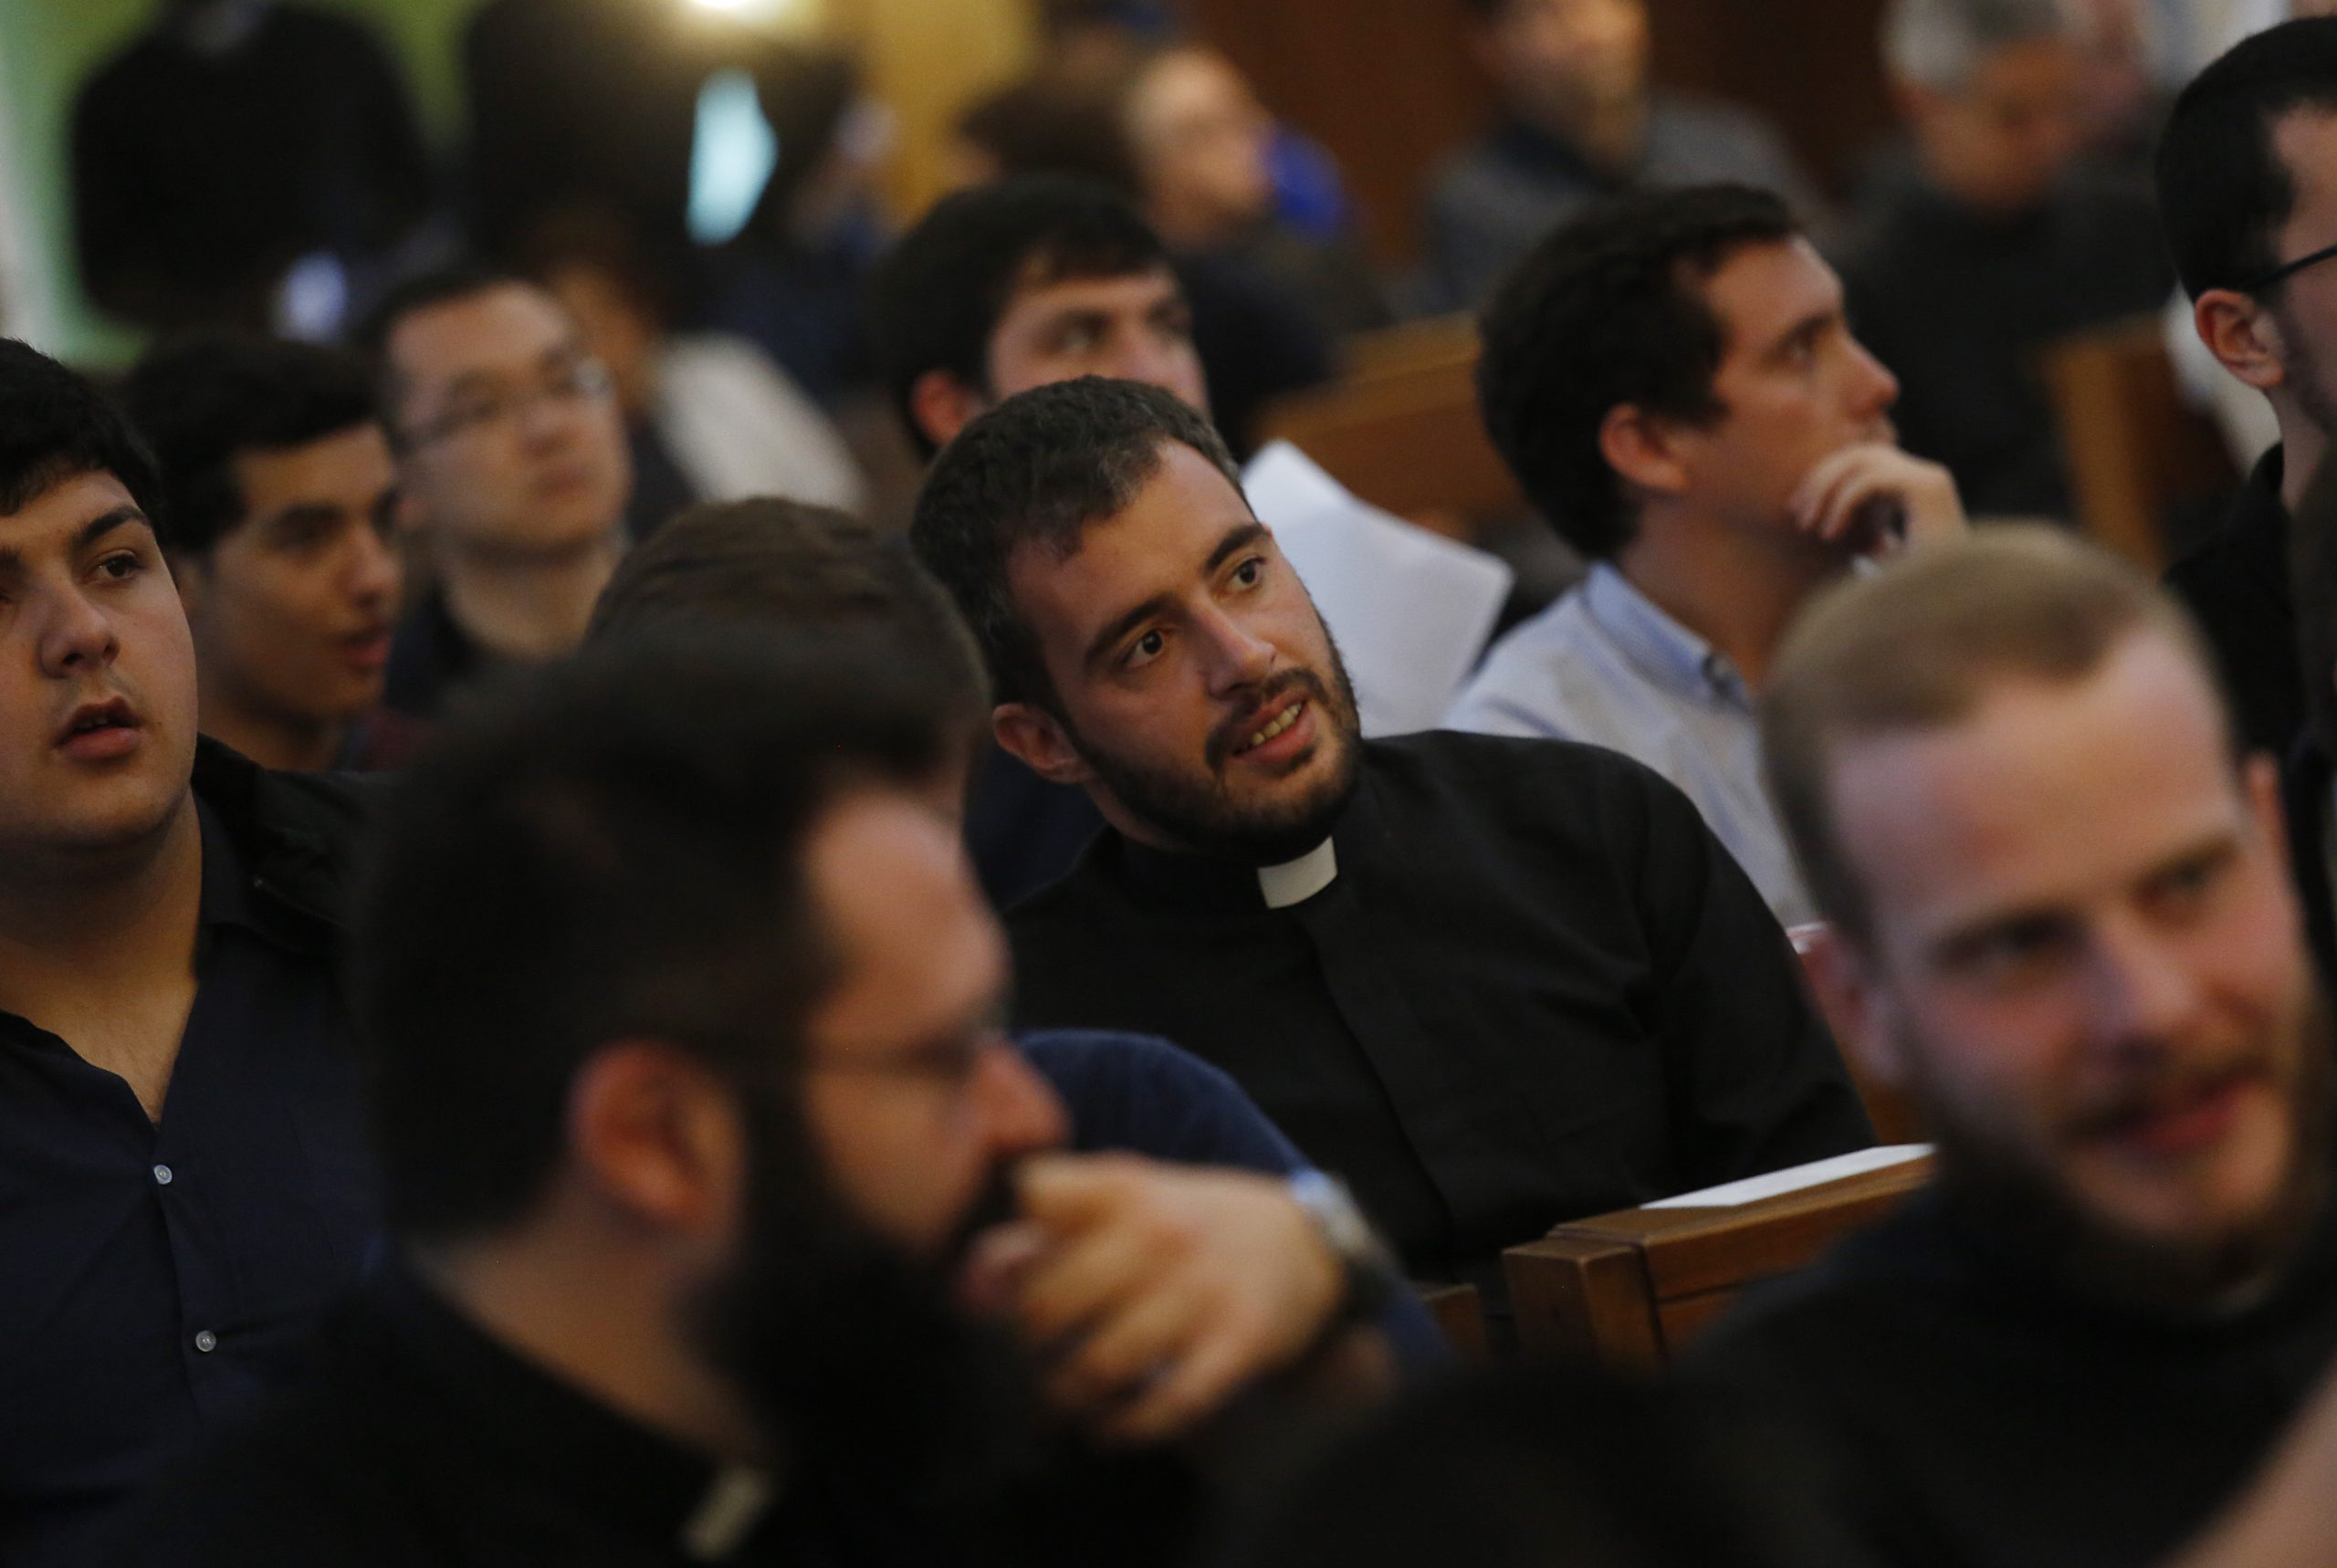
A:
{"x":1081,"y":1282}
{"x":1189,"y":1392}
{"x":1149,"y":1334}
{"x":1845,"y":484}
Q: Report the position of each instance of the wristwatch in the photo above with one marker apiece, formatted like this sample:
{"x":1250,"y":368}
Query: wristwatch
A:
{"x":1369,"y":1274}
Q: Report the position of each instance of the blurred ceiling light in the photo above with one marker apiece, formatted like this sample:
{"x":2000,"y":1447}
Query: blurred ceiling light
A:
{"x":765,"y":11}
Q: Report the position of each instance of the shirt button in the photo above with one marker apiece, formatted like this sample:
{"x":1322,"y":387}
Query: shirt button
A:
{"x":162,"y":1175}
{"x":206,"y":1342}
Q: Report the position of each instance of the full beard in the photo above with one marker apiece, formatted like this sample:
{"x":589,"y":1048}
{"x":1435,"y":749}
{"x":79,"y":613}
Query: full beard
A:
{"x":2011,"y":1198}
{"x":888,"y":1402}
{"x":1197,"y":811}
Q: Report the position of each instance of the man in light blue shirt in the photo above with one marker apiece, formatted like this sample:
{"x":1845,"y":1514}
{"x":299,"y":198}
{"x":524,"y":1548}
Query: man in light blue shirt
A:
{"x":1673,"y":382}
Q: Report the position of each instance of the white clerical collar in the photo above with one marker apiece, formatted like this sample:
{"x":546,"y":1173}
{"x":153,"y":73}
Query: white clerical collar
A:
{"x":734,"y":1504}
{"x":1295,"y":881}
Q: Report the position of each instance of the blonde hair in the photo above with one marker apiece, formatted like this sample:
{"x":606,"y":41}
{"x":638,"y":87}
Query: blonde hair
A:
{"x":1918,"y":645}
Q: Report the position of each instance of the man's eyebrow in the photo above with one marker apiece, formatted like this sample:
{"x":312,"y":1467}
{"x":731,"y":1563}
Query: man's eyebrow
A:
{"x":1236,"y":540}
{"x":12,"y":558}
{"x":303,"y":512}
{"x":1239,"y":538}
{"x":1102,"y":642}
{"x":1808,"y":326}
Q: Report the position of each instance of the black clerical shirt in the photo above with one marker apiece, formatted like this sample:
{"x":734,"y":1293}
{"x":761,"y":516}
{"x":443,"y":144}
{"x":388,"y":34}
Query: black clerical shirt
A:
{"x":155,"y":1278}
{"x":2237,"y":586}
{"x":1537,"y":989}
{"x":1980,"y":1416}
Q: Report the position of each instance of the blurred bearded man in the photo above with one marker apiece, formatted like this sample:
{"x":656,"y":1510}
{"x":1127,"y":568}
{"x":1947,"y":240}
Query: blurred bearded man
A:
{"x":2063,"y":925}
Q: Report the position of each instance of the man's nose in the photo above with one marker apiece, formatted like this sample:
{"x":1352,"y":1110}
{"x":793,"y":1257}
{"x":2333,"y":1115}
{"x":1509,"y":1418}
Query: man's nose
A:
{"x":1022,"y":1113}
{"x":2142,"y":990}
{"x":75,"y":636}
{"x":1233,"y":654}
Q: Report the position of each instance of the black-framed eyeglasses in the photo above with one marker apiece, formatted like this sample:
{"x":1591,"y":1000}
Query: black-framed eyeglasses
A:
{"x":583,"y":379}
{"x":2286,"y":270}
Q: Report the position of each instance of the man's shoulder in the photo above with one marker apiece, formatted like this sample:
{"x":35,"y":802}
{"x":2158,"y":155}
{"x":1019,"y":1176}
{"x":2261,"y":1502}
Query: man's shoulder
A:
{"x":302,"y":832}
{"x":1533,"y":677}
{"x":1858,"y":1307}
{"x":1503,"y":772}
{"x":1141,"y":1094}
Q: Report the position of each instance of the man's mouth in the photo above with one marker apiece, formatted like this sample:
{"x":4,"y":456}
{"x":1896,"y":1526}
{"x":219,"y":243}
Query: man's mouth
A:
{"x":98,"y":730}
{"x":1273,"y":726}
{"x":2186,"y":1122}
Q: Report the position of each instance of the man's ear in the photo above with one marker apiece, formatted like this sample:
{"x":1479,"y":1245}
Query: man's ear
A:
{"x":1037,"y":739}
{"x":2243,"y":336}
{"x":656,"y":1135}
{"x":1639,"y":447}
{"x":943,"y":405}
{"x":1854,"y":1007}
{"x":2261,"y":779}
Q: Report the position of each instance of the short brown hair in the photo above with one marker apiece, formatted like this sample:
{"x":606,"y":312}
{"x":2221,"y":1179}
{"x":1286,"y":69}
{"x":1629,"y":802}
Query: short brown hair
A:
{"x":766,"y":561}
{"x":1919,"y":645}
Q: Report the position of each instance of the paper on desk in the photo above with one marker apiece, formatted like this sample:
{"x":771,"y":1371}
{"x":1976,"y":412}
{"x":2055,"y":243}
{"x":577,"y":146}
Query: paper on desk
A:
{"x":1411,"y":609}
{"x":1752,"y":1189}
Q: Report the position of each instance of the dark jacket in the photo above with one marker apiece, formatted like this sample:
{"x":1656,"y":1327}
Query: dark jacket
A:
{"x":299,"y":832}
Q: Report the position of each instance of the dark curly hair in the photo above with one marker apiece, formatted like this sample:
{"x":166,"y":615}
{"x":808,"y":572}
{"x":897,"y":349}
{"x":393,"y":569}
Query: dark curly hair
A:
{"x":1608,"y":311}
{"x":203,"y":398}
{"x":1039,"y":469}
{"x":2223,"y":191}
{"x":55,"y":425}
{"x":941,"y":292}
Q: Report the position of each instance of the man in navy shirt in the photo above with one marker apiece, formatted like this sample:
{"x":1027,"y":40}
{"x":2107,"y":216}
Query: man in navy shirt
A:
{"x":182,"y":1176}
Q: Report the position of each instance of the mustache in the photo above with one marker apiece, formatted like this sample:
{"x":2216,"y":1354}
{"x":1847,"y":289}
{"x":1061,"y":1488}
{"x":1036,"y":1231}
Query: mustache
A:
{"x":1233,"y":731}
{"x":2164,"y":1089}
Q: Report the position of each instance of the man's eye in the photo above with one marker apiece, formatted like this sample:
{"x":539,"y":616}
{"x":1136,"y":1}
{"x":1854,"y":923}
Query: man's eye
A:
{"x":121,"y":566}
{"x":1144,"y":650}
{"x":2179,"y":891}
{"x":1251,"y":572}
{"x":1079,"y":337}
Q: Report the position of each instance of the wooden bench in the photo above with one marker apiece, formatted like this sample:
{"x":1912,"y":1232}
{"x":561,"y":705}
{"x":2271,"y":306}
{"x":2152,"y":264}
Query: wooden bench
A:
{"x":1626,"y":1291}
{"x":2135,"y":449}
{"x":1401,"y":430}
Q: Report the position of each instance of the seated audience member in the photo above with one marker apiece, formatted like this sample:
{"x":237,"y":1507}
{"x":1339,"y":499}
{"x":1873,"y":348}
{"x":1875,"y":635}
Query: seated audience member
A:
{"x":2309,"y":769}
{"x":1672,"y":379}
{"x":2063,"y":925}
{"x":182,"y":1149}
{"x":799,"y":569}
{"x":281,"y":495}
{"x":1495,"y":984}
{"x":709,"y":417}
{"x":2248,"y":191}
{"x":1202,"y":148}
{"x":511,"y":466}
{"x":1995,"y":244}
{"x":1049,"y":276}
{"x":1579,"y":120}
{"x":704,"y":1151}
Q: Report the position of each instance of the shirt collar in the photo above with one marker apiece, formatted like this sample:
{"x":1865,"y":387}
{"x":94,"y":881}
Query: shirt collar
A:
{"x":594,"y":1461}
{"x":1665,"y":650}
{"x":1295,"y":881}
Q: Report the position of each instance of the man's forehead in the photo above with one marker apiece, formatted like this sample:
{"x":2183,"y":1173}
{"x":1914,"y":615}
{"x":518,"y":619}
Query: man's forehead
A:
{"x":1765,"y":286}
{"x":64,"y":505}
{"x":2305,"y":141}
{"x":497,"y":330}
{"x":356,"y":458}
{"x":2045,"y":790}
{"x":1042,"y":285}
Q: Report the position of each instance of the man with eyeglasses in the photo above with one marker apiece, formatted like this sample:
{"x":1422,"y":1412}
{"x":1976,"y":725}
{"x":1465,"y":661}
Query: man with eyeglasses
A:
{"x":512,"y":473}
{"x":2247,"y":191}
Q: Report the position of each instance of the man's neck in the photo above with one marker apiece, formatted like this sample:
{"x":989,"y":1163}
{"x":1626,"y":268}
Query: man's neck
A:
{"x":605,"y":1322}
{"x":99,"y":949}
{"x":273,"y":741}
{"x":1736,"y":588}
{"x":528,"y":606}
{"x":1611,"y":136}
{"x":2301,"y":446}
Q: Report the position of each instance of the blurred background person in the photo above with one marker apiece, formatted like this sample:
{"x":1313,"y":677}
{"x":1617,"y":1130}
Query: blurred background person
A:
{"x":229,"y":142}
{"x":1994,"y":240}
{"x":1579,"y":118}
{"x":512,"y":470}
{"x":281,"y":495}
{"x":709,"y":417}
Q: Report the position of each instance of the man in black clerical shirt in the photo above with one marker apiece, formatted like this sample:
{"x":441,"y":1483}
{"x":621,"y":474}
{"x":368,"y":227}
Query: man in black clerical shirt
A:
{"x":184,"y":1182}
{"x":731,"y":1228}
{"x":1495,"y":984}
{"x":2062,"y":924}
{"x":1994,"y":240}
{"x":2247,"y":192}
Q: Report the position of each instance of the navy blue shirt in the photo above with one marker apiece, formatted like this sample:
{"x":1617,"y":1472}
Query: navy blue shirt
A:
{"x":1136,"y":1095}
{"x":158,"y":1276}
